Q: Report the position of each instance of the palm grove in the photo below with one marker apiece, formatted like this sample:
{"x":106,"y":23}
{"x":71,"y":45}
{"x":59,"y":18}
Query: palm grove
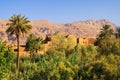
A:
{"x":64,"y":60}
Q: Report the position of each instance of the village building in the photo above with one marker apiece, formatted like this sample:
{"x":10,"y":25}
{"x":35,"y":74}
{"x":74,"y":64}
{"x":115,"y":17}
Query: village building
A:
{"x":82,"y":41}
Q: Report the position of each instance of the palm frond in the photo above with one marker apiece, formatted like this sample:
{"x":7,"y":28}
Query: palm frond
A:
{"x":18,"y":25}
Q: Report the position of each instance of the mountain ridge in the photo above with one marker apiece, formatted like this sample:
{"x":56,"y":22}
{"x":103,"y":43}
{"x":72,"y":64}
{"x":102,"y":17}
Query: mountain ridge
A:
{"x":43,"y":28}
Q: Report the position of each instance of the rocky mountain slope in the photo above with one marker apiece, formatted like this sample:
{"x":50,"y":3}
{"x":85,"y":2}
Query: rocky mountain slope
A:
{"x":43,"y":28}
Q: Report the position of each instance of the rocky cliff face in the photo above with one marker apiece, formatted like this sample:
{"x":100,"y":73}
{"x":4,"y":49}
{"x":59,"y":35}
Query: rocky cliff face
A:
{"x":45,"y":28}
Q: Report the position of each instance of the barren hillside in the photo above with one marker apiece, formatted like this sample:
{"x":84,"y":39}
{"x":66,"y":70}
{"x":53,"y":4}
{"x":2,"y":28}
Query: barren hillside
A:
{"x":43,"y":28}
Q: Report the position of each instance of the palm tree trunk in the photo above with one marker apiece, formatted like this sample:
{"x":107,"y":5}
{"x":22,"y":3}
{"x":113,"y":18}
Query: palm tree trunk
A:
{"x":18,"y":54}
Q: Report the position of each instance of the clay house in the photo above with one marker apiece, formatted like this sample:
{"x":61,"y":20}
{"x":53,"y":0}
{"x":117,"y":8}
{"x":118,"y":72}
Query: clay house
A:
{"x":86,"y":40}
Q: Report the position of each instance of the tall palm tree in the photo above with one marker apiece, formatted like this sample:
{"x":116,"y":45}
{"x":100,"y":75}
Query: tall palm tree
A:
{"x":18,"y":25}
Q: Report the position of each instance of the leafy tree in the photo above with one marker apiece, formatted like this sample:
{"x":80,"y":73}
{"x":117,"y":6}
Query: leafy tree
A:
{"x":58,"y":42}
{"x":18,"y":25}
{"x":70,"y":44}
{"x":34,"y":44}
{"x":63,"y":43}
{"x":115,"y":48}
{"x":6,"y":59}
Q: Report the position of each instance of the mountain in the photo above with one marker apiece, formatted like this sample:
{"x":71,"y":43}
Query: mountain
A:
{"x":43,"y":28}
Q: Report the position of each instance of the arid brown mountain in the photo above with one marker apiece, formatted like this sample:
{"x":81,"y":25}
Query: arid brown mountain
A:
{"x":45,"y":28}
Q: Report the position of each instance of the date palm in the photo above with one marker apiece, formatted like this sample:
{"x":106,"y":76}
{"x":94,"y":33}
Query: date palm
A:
{"x":105,"y":33}
{"x":18,"y":25}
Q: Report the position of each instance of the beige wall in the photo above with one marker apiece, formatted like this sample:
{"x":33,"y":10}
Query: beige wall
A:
{"x":86,"y":41}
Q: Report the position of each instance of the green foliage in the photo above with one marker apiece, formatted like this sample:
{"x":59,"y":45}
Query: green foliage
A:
{"x":6,"y":59}
{"x":34,"y":44}
{"x":55,"y":66}
{"x":116,"y":47}
{"x":111,"y":45}
{"x":107,"y":42}
{"x":105,"y":34}
{"x":118,"y":33}
{"x":63,"y":43}
{"x":18,"y":25}
{"x":82,"y":64}
{"x":58,"y":42}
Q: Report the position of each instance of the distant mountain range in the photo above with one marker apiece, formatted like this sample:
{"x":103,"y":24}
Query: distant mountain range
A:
{"x":43,"y":28}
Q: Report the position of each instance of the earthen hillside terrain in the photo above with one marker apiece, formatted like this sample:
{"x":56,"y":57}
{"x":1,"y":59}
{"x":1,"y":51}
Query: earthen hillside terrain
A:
{"x":43,"y":28}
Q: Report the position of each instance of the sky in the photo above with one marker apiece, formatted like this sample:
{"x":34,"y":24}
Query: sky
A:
{"x":62,"y":11}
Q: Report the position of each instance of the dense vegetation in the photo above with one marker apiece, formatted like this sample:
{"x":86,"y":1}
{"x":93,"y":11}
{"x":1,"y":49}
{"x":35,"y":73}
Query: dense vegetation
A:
{"x":65,"y":60}
{"x":84,"y":63}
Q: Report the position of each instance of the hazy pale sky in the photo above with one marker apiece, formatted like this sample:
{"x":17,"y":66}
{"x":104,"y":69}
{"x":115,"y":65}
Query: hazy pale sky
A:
{"x":62,"y":11}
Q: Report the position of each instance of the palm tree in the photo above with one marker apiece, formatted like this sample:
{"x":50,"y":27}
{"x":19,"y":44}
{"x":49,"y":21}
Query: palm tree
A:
{"x":18,"y":25}
{"x":105,"y":33}
{"x":34,"y":44}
